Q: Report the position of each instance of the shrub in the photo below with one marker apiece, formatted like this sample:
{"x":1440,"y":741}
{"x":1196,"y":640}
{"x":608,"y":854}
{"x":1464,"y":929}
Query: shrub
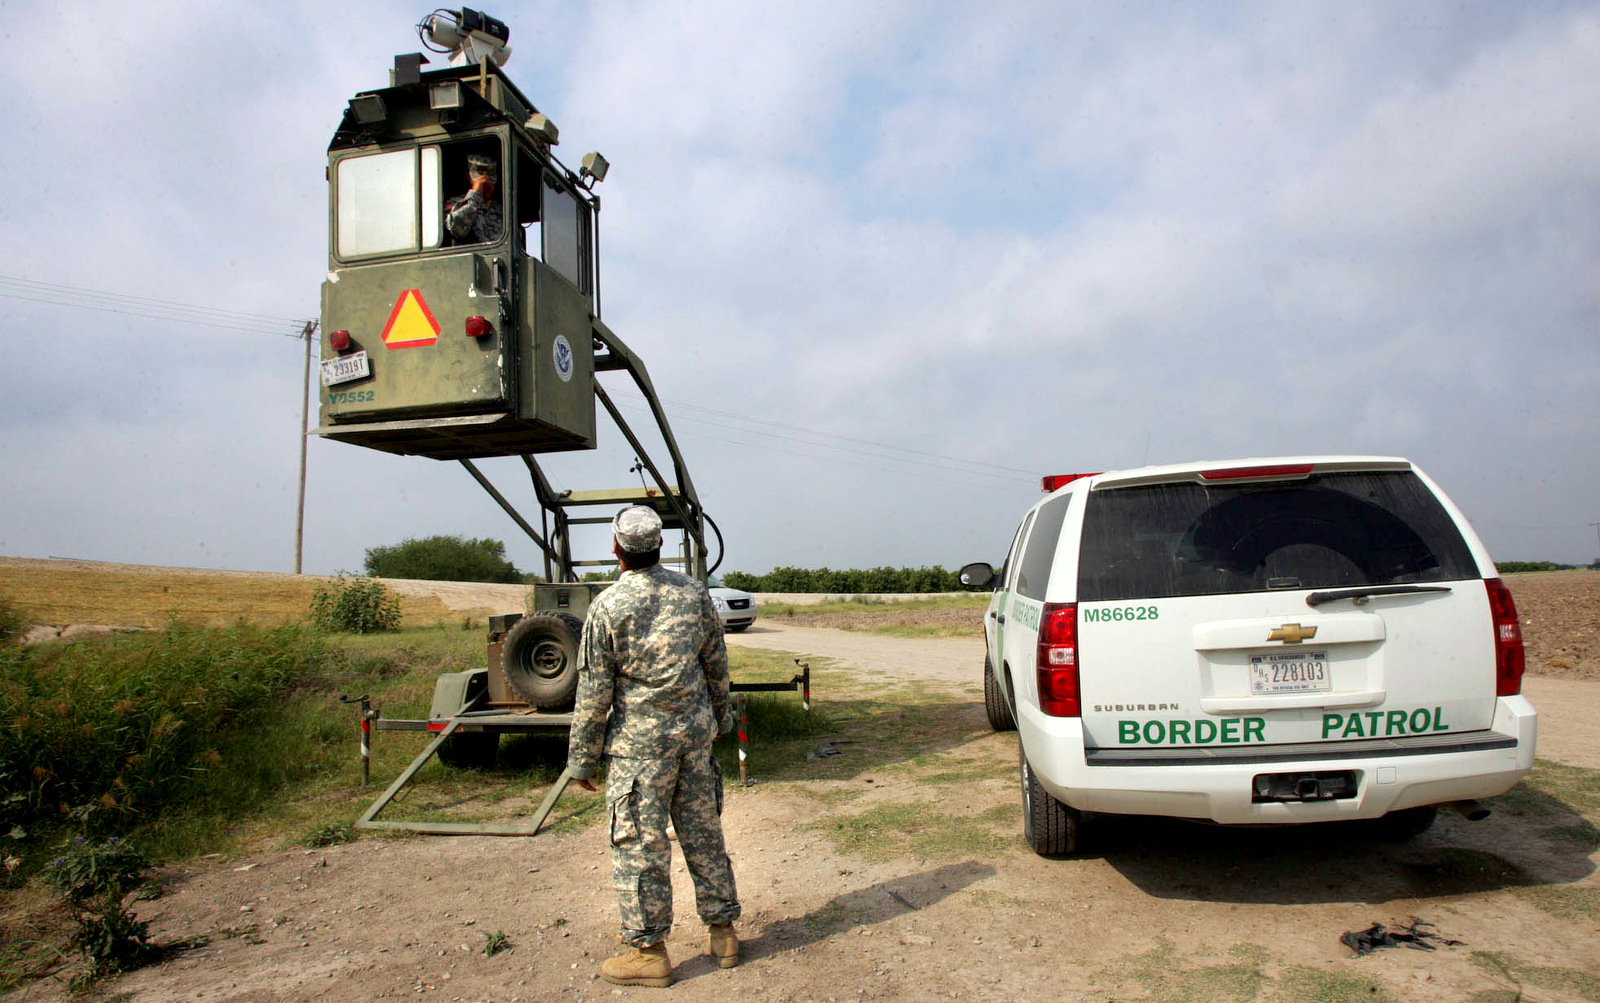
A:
{"x":331,"y":834}
{"x":12,"y":623}
{"x":95,"y":879}
{"x":108,"y":734}
{"x":444,"y":559}
{"x":354,"y":605}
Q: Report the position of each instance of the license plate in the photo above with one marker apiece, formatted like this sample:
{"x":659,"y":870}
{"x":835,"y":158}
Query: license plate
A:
{"x":345,"y":368}
{"x":1290,"y":672}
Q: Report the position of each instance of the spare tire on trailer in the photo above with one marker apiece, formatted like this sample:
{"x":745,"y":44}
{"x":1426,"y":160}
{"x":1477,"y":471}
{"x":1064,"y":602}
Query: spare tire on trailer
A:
{"x":539,"y":659}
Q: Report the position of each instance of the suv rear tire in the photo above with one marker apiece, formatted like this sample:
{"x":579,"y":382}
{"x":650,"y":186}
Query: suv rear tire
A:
{"x":994,"y":701}
{"x":1407,"y":822}
{"x":1052,"y":828}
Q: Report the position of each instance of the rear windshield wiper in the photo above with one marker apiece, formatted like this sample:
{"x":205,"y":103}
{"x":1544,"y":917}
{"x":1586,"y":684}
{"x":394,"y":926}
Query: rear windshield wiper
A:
{"x":1362,"y":593}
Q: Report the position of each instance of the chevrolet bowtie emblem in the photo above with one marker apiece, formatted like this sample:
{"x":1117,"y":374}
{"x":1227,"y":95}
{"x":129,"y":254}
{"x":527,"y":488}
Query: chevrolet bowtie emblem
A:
{"x":1292,"y":633}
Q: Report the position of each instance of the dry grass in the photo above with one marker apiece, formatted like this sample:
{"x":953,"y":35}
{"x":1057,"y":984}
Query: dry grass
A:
{"x":129,"y":595}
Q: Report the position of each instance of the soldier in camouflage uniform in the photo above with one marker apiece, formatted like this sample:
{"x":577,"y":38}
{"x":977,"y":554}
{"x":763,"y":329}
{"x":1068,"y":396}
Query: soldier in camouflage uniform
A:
{"x":653,"y":692}
{"x":476,"y":217}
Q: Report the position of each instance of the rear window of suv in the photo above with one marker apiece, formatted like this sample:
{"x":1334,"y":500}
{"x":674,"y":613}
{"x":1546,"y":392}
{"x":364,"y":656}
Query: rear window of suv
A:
{"x":1327,"y":531}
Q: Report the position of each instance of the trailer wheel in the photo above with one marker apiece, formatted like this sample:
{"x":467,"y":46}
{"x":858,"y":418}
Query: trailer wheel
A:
{"x":1050,"y":826}
{"x":994,"y":701}
{"x":574,"y":624}
{"x":470,"y":750}
{"x":539,"y":658}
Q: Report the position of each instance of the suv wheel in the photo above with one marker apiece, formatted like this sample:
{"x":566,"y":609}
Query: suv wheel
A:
{"x":994,"y":701}
{"x":1407,"y":822}
{"x":1050,"y":826}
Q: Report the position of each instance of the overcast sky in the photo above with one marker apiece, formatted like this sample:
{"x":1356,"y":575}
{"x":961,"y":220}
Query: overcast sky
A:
{"x":888,"y":263}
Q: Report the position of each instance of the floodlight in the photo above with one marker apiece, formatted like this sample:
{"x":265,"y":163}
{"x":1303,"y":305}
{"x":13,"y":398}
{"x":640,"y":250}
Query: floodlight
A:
{"x":595,"y":166}
{"x":445,"y":95}
{"x":542,"y":128}
{"x":368,"y":109}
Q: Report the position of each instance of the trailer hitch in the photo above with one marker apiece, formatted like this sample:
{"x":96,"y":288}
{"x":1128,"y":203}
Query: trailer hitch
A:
{"x":369,"y":714}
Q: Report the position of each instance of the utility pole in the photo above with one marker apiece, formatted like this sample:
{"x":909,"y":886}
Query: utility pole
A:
{"x":305,"y":419}
{"x":1596,"y":526}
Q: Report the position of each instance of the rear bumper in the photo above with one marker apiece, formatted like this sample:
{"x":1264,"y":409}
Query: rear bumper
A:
{"x":1480,"y":765}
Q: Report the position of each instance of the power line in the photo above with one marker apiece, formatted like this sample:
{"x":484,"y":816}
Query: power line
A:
{"x":35,"y":291}
{"x":881,"y":458}
{"x":1006,"y":473}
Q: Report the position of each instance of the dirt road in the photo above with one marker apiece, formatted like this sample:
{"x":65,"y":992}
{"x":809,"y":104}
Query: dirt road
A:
{"x":909,"y":880}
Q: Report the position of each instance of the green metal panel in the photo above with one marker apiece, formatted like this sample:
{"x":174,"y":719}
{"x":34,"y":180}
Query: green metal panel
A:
{"x":441,"y":373}
{"x":558,"y":363}
{"x":567,"y":597}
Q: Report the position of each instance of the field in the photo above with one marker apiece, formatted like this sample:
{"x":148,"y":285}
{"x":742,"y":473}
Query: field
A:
{"x":65,"y":593}
{"x":893,"y":869}
{"x":1560,"y":610}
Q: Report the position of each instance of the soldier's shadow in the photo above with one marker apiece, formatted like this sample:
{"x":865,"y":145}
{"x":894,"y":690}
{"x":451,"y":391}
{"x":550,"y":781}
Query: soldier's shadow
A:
{"x":876,"y":903}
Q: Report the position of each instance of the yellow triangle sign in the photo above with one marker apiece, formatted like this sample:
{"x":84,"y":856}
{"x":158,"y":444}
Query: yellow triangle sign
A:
{"x":411,"y":323}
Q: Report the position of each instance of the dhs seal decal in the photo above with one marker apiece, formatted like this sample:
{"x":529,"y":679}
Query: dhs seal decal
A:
{"x":563,"y":358}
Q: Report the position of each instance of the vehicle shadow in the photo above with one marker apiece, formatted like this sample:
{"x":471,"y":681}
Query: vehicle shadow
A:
{"x":876,"y":903}
{"x":1531,"y":839}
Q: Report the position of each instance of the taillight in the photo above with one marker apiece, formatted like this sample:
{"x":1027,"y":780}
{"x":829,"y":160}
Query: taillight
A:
{"x":1285,"y":470}
{"x":1509,"y":657}
{"x":1053,"y":481}
{"x":479,"y":327}
{"x":339,"y":341}
{"x":1058,"y":660}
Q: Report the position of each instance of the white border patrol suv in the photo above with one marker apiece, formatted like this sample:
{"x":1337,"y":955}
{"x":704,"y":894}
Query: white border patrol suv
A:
{"x":1255,"y":641}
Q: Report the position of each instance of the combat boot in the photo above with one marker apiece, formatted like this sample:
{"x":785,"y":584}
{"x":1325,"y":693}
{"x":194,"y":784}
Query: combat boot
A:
{"x":724,"y":944}
{"x":642,"y":966}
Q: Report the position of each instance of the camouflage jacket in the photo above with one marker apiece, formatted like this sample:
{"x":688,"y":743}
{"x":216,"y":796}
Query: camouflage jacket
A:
{"x":652,"y":671}
{"x":473,"y":219}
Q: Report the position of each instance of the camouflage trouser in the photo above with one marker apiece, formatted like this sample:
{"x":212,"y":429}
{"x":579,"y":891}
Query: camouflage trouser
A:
{"x":643,"y":794}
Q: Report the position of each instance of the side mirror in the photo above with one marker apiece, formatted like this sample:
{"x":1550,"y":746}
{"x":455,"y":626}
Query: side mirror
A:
{"x":976,"y":576}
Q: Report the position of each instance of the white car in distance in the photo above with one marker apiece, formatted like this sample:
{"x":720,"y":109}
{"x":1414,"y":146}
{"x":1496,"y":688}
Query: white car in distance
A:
{"x":735,"y":608}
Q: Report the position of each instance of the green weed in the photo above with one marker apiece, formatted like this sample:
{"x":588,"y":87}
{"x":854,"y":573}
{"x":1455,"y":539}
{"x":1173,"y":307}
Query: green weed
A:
{"x":1522,"y":975}
{"x":1565,"y":902}
{"x":1297,"y":983}
{"x":331,"y":834}
{"x":1575,"y":785}
{"x":919,"y":830}
{"x":108,"y":734}
{"x":494,"y":943}
{"x":355,"y":605}
{"x":877,"y":604}
{"x":96,"y":878}
{"x":12,"y":622}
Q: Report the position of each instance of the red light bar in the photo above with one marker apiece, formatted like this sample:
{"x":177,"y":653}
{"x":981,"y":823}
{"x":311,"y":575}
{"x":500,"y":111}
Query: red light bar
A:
{"x":1241,"y":473}
{"x":1054,"y":481}
{"x":339,"y":341}
{"x":479,"y":327}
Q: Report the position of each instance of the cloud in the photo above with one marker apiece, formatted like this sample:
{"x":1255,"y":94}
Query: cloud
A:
{"x":1036,"y":237}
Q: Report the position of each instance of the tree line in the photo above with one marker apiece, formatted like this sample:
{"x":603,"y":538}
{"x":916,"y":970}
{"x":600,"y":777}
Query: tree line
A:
{"x":459,"y":559}
{"x":852,"y":580}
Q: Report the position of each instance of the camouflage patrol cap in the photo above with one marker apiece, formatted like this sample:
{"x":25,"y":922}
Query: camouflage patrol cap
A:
{"x":637,"y":529}
{"x":480,"y":163}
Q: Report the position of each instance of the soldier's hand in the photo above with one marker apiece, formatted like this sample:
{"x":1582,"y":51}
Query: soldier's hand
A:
{"x":482,"y":185}
{"x":586,"y":785}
